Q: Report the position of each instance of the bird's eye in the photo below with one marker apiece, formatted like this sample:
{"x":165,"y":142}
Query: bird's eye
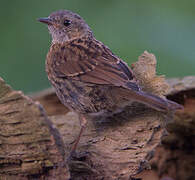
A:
{"x":67,"y":22}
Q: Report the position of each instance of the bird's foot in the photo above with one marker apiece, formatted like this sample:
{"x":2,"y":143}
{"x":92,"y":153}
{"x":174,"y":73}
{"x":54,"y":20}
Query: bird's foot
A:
{"x":77,"y":156}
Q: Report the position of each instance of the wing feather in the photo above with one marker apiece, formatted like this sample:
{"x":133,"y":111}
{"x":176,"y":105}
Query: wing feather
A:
{"x":96,"y":68}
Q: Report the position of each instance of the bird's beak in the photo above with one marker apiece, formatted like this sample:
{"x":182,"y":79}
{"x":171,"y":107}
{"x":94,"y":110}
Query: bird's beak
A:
{"x":46,"y":20}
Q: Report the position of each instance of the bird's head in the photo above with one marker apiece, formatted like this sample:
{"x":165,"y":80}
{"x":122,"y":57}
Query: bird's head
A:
{"x":65,"y":26}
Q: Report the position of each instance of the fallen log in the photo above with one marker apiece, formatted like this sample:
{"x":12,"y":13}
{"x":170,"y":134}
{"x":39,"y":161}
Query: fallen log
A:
{"x":121,"y":147}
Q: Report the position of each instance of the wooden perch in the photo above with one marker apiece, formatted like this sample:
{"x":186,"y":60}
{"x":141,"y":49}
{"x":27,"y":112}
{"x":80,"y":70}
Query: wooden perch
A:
{"x":29,"y":146}
{"x":33,"y":145}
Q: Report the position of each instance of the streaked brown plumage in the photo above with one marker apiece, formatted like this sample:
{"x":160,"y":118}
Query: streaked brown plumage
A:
{"x":87,"y":76}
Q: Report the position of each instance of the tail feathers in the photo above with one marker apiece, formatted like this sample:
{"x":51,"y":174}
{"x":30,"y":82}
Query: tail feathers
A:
{"x":174,"y":106}
{"x":153,"y":101}
{"x":158,"y":103}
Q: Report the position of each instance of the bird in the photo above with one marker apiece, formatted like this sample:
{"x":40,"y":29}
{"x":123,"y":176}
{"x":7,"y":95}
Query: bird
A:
{"x":87,"y":76}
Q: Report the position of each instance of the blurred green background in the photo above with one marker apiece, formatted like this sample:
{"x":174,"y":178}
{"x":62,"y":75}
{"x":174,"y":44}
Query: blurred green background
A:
{"x":163,"y":27}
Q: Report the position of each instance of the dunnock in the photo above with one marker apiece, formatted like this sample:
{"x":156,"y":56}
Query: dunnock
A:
{"x":87,"y":77}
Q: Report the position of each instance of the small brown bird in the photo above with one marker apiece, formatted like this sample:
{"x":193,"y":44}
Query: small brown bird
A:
{"x":87,"y":77}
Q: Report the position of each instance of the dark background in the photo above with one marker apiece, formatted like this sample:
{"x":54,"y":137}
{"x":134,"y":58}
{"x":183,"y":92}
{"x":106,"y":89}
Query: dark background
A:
{"x":163,"y":27}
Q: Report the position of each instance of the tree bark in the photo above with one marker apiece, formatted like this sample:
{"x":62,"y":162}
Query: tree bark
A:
{"x":30,"y":148}
{"x":36,"y":145}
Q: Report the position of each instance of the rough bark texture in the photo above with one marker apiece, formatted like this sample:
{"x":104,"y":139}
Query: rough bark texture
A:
{"x":30,"y":148}
{"x":124,"y":146}
{"x":175,"y":158}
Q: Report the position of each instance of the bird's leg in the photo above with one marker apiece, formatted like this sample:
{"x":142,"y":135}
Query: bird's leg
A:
{"x":83,"y":123}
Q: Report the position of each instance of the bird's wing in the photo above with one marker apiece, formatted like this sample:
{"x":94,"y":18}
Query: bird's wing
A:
{"x":94,"y":64}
